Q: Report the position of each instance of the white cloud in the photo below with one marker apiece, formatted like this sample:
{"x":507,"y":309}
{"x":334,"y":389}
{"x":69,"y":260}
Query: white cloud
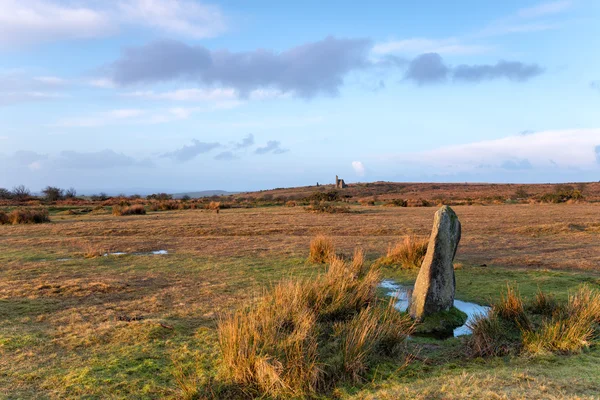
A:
{"x":39,"y":21}
{"x":451,"y":46}
{"x":220,"y":96}
{"x":359,"y":168}
{"x":544,"y":9}
{"x":30,"y":21}
{"x":184,"y":17}
{"x":50,"y":80}
{"x":573,"y":148}
{"x":102,"y":83}
{"x":532,"y":19}
{"x":187,"y":95}
{"x":126,"y":113}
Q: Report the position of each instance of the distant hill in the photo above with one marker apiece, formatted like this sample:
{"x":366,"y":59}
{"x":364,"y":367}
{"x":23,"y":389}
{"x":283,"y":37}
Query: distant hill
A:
{"x":204,"y":193}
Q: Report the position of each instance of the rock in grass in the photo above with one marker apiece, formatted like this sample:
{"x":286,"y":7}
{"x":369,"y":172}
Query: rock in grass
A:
{"x":435,"y":285}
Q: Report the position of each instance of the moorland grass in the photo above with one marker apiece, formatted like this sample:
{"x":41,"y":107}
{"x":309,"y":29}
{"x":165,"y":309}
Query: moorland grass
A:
{"x":25,"y":216}
{"x":321,"y":249}
{"x":305,"y":336}
{"x":566,"y":327}
{"x":407,"y":254}
{"x":60,"y":336}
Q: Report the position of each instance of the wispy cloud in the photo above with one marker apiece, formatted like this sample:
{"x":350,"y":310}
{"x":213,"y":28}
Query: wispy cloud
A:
{"x":431,"y":68}
{"x":532,"y":19}
{"x":245,"y":142}
{"x":544,"y":9}
{"x":189,"y":152}
{"x":39,"y":21}
{"x":272,"y":146}
{"x":17,"y":87}
{"x":414,"y":46}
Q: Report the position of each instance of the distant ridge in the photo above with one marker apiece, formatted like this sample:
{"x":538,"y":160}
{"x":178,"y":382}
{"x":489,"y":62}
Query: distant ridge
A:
{"x":204,"y":193}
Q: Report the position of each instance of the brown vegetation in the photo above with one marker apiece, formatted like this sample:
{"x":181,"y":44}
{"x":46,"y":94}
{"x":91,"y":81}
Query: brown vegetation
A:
{"x":25,"y":216}
{"x":548,"y":327}
{"x":305,"y":335}
{"x":136,"y":209}
{"x":321,"y":249}
{"x":408,"y":253}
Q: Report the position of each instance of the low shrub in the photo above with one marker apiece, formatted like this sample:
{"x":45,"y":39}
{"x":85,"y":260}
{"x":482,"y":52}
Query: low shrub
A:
{"x":3,"y":218}
{"x":305,"y":336}
{"x":321,"y":249}
{"x":550,"y":326}
{"x":136,"y":209}
{"x":329,"y":208}
{"x":25,"y":216}
{"x":408,"y":254}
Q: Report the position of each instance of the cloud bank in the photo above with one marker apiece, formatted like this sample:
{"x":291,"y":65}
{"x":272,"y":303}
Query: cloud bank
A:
{"x":307,"y":70}
{"x":566,"y":149}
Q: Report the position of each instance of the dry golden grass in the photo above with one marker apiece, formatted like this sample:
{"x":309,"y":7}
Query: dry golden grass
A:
{"x":321,"y":249}
{"x":305,"y":335}
{"x":560,"y":328}
{"x":409,"y":253}
{"x":25,"y":216}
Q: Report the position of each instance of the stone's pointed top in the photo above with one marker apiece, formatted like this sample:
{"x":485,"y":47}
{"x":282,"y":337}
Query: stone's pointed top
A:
{"x":435,"y":285}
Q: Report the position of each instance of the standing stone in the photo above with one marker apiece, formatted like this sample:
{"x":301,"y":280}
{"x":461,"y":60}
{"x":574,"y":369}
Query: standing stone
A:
{"x":435,"y":285}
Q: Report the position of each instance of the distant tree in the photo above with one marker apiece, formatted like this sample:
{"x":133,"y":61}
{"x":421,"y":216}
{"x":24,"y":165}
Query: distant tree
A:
{"x":99,"y":197}
{"x":185,"y":197}
{"x":5,"y":194}
{"x":21,"y":192}
{"x":70,"y":193}
{"x":135,"y":197}
{"x":52,"y":193}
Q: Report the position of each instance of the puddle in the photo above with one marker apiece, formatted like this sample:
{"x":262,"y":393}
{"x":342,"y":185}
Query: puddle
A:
{"x":150,"y":253}
{"x":471,"y":309}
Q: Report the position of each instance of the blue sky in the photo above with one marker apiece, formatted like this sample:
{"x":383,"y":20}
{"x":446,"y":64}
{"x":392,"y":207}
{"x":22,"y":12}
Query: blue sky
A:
{"x":180,"y":95}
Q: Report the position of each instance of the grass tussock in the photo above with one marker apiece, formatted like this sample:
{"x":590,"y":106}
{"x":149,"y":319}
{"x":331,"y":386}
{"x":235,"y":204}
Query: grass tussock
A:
{"x":25,"y":216}
{"x":321,"y":249}
{"x":304,"y":336}
{"x":542,"y":325}
{"x":407,"y":254}
{"x":136,"y":209}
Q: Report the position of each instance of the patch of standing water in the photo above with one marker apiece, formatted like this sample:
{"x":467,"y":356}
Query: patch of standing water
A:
{"x":471,"y":309}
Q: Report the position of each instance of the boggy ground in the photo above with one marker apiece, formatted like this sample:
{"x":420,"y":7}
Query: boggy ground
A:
{"x":143,"y":326}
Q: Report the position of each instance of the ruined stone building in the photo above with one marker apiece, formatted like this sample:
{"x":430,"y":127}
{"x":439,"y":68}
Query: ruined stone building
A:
{"x":339,"y":183}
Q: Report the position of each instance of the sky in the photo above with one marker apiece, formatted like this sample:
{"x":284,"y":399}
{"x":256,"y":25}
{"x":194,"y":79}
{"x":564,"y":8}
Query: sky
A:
{"x":186,"y":95}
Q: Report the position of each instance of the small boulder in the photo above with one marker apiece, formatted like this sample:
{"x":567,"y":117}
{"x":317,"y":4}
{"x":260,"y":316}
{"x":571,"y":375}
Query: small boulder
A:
{"x":435,"y":285}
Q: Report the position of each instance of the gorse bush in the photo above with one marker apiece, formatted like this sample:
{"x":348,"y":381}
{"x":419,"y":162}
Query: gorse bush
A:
{"x":542,"y":325}
{"x":136,"y":209}
{"x":328,"y":208}
{"x":25,"y":216}
{"x":321,"y":249}
{"x":408,"y":254}
{"x":305,"y":336}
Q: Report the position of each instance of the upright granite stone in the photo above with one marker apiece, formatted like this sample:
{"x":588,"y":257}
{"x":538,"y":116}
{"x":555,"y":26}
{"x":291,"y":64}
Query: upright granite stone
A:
{"x":435,"y":285}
